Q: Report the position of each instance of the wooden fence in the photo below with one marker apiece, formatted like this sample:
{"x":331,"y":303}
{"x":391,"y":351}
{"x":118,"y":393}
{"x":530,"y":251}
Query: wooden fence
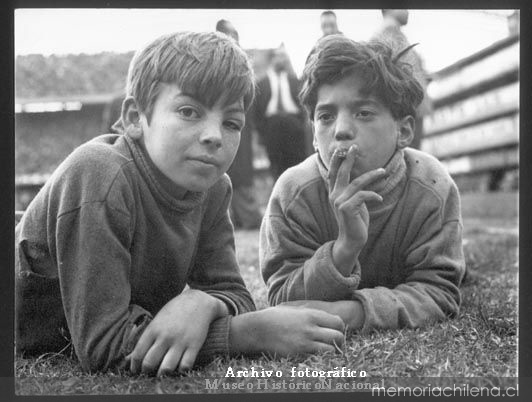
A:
{"x":474,"y":128}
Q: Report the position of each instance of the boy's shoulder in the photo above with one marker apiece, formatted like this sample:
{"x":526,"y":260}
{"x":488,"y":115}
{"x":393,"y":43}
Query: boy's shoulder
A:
{"x":90,"y":169}
{"x":428,"y":172}
{"x":106,"y":150}
{"x":303,"y":177}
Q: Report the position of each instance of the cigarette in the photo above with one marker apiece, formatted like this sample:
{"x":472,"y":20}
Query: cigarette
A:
{"x":341,"y":153}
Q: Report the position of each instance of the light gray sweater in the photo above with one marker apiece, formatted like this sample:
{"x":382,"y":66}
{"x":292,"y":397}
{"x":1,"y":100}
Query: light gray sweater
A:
{"x":411,"y":265}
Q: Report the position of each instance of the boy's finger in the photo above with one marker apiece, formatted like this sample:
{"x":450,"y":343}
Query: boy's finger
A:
{"x":170,"y":361}
{"x":363,"y":181}
{"x":329,"y":336}
{"x":359,"y":198}
{"x":188,"y":359}
{"x":327,"y":320}
{"x":344,"y":171}
{"x":153,"y":358}
{"x":320,"y":347}
{"x":141,"y":348}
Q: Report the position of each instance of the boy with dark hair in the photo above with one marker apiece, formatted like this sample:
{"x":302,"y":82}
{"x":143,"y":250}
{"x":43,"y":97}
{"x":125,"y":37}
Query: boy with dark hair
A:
{"x":366,"y":228}
{"x":105,"y":250}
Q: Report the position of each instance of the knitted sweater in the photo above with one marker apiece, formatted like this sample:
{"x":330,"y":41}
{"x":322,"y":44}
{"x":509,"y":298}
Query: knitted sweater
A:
{"x":105,"y":245}
{"x":411,"y":265}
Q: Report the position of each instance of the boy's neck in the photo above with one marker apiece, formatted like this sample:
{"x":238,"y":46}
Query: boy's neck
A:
{"x":177,"y":192}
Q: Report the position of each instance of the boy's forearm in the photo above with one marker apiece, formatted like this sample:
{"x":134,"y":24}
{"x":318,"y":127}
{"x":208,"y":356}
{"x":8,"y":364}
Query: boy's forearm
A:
{"x":351,"y":312}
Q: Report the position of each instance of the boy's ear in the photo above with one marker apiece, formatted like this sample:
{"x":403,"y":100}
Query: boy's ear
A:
{"x":314,"y":140}
{"x":131,"y":118}
{"x":406,"y":127}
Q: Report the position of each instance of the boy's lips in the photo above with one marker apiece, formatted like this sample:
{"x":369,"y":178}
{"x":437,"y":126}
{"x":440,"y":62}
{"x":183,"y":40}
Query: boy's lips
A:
{"x":206,"y":159}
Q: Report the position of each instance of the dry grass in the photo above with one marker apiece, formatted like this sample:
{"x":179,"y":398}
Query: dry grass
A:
{"x":480,"y":342}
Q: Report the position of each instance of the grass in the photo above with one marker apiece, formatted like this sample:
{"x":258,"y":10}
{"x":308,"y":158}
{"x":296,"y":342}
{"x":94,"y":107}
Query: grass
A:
{"x":480,"y":342}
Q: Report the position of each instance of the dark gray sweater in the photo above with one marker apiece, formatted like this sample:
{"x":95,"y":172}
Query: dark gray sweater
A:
{"x":105,"y":245}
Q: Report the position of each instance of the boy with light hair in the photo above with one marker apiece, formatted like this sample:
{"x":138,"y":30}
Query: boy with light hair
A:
{"x":105,"y":250}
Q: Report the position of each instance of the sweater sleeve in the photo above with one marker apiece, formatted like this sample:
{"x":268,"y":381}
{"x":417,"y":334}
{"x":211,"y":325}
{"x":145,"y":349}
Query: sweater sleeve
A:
{"x":433,"y":269}
{"x":92,"y":251}
{"x":294,"y":264}
{"x":216,"y":269}
{"x":93,"y":257}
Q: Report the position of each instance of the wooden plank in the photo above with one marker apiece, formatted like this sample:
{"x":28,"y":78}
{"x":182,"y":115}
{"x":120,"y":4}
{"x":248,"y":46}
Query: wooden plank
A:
{"x":497,"y":102}
{"x":492,"y":134}
{"x":491,"y":160}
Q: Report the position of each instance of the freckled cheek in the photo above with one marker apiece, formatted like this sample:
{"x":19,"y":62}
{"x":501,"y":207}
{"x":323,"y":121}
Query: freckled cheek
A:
{"x":325,"y":141}
{"x":230,"y":150}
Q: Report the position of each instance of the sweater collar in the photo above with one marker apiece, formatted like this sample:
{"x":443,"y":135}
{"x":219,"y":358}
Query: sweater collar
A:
{"x":164,"y":189}
{"x":387,"y":187}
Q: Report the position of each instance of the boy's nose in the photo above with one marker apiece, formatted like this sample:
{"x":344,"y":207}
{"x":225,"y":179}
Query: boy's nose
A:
{"x":211,"y":136}
{"x":344,"y":128}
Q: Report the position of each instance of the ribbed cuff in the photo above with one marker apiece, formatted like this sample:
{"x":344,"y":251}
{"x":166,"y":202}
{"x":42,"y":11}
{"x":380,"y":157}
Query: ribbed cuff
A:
{"x":331,"y":285}
{"x":231,"y":305}
{"x":217,"y":342}
{"x":361,"y":297}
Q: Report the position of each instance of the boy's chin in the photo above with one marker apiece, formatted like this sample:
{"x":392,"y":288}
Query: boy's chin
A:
{"x":201,"y":185}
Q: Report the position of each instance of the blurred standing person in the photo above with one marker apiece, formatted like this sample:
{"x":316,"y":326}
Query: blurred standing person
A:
{"x":390,"y":32}
{"x":227,"y":28}
{"x":278,"y":117}
{"x":245,"y":212}
{"x":329,"y":24}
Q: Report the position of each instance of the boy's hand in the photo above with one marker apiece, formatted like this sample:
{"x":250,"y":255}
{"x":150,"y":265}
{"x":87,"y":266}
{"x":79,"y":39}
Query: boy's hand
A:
{"x":285,"y":330}
{"x":350,"y":311}
{"x":348,"y":200}
{"x":176,"y":334}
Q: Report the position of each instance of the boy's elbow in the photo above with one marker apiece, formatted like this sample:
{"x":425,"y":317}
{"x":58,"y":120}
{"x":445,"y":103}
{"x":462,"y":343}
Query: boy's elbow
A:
{"x":91,"y":363}
{"x":97,"y":359}
{"x":449,"y":302}
{"x":275,"y":295}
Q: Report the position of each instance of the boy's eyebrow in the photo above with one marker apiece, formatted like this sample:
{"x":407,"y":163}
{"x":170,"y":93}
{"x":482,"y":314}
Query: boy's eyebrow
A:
{"x":355,"y":103}
{"x":232,"y":109}
{"x":185,"y":94}
{"x":237,"y":109}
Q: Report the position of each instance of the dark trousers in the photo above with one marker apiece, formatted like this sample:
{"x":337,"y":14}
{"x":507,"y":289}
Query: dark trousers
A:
{"x":285,"y":142}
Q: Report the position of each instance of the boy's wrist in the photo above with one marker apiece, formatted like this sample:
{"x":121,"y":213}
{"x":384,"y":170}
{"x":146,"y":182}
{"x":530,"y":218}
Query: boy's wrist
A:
{"x":216,"y":307}
{"x":241,"y":336}
{"x":344,"y":256}
{"x":221,"y":309}
{"x":356,"y":319}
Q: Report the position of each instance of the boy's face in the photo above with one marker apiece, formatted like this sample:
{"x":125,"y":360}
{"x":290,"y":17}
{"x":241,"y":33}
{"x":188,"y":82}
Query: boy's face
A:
{"x":344,"y":117}
{"x":192,"y":144}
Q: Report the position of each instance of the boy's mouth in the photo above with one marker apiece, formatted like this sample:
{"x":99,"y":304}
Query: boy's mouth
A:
{"x":206,"y":159}
{"x":342,"y":152}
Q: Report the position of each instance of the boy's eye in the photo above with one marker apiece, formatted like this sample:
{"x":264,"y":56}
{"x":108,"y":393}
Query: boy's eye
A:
{"x":188,"y":112}
{"x":365,"y":114}
{"x":325,"y":117}
{"x":233,"y":125}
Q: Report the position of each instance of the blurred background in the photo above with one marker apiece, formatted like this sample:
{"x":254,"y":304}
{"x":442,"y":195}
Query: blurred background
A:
{"x":71,"y":67}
